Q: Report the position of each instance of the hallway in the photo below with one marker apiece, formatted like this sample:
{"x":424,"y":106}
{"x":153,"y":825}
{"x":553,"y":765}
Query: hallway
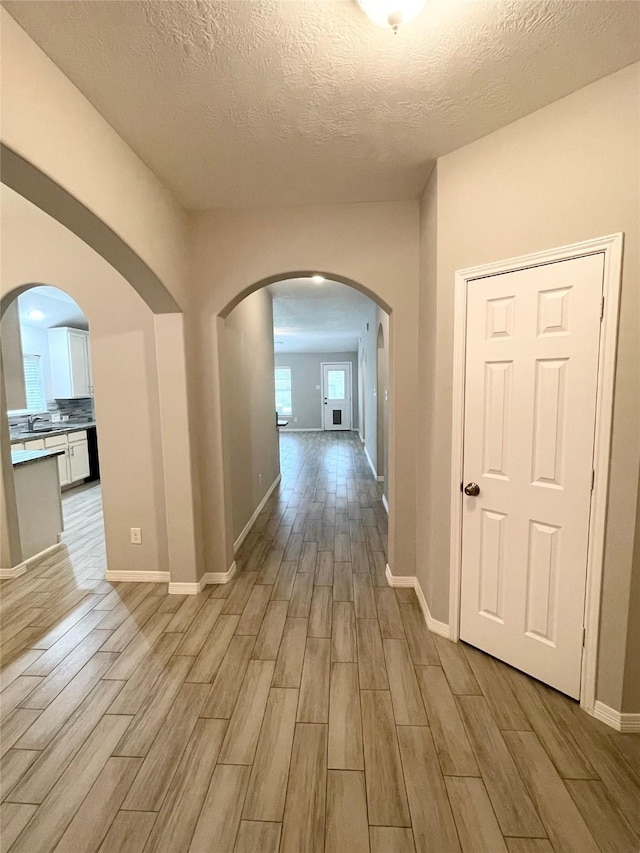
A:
{"x":304,"y":706}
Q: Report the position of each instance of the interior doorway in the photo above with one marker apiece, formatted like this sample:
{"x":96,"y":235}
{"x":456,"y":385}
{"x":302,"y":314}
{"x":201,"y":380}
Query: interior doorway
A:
{"x":336,"y":395}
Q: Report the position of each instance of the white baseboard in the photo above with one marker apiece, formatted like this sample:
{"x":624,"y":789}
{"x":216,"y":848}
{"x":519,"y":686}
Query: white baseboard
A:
{"x":385,"y":503}
{"x":205,"y":580}
{"x":137,"y":577}
{"x":620,"y":722}
{"x":221,"y":577}
{"x":21,"y":568}
{"x":433,"y":625}
{"x":371,"y":465}
{"x":295,"y":429}
{"x":380,"y":479}
{"x":256,"y":513}
{"x":361,"y":438}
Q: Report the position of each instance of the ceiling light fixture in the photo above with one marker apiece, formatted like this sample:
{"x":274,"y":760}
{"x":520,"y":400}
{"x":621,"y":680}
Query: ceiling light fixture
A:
{"x":317,"y":279}
{"x":35,"y":314}
{"x":391,"y":13}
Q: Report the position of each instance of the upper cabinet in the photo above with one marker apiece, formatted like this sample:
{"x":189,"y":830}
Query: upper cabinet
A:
{"x":70,"y":363}
{"x":12,"y":361}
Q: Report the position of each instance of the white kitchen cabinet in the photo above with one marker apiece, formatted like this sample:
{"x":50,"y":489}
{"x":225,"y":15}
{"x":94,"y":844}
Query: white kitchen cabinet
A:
{"x":34,"y":444}
{"x":70,"y":360}
{"x":73,"y":464}
{"x":78,"y":457}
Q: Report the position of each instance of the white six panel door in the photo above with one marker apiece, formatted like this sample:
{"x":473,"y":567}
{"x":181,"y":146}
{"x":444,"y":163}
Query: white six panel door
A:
{"x":530,"y":398}
{"x":336,"y":391}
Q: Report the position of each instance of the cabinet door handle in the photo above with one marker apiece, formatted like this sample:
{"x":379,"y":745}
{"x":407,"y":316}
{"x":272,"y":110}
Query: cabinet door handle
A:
{"x":72,"y":450}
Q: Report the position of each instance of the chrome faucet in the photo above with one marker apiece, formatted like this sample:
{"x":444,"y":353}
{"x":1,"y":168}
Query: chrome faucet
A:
{"x":31,"y":421}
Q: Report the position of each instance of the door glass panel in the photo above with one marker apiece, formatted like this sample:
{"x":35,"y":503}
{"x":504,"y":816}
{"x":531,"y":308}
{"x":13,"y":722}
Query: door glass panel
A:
{"x":336,"y":383}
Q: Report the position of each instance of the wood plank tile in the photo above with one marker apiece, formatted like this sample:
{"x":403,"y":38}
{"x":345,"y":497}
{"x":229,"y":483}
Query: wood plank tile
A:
{"x":314,"y":688}
{"x":50,"y":721}
{"x":183,"y":617}
{"x":91,"y":822}
{"x":128,"y":833}
{"x":270,"y":568}
{"x":139,"y":647}
{"x":342,"y":582}
{"x":268,"y":641}
{"x":431,"y":817}
{"x":391,"y":839}
{"x":253,"y":613}
{"x":308,"y":557}
{"x":565,"y":827}
{"x":408,"y":708}
{"x":46,"y":662}
{"x":300,"y":604}
{"x":17,"y":693}
{"x":149,"y":720}
{"x":54,"y":760}
{"x":386,"y":794}
{"x":13,"y":766}
{"x":304,"y":814}
{"x":129,"y":700}
{"x":452,"y":744}
{"x":511,"y":802}
{"x":239,"y":595}
{"x":283,"y":587}
{"x":180,"y":810}
{"x":345,"y":723}
{"x":47,"y":826}
{"x":347,"y":826}
{"x":360,"y":558}
{"x":219,"y":819}
{"x":364,"y":599}
{"x":226,"y":686}
{"x":341,"y":549}
{"x":372,"y":668}
{"x":13,"y":819}
{"x":461,"y":679}
{"x":256,"y":835}
{"x":14,"y":727}
{"x":127,"y":630}
{"x":215,"y":647}
{"x":152,"y":782}
{"x":528,"y":845}
{"x":420,"y":639}
{"x":555,"y":733}
{"x":493,"y":678}
{"x":391,"y":627}
{"x":324,"y":569}
{"x":343,"y":639}
{"x":607,"y":825}
{"x":268,"y":783}
{"x":244,"y":727}
{"x":288,"y":671}
{"x":294,"y":547}
{"x":476,"y":823}
{"x":320,"y":617}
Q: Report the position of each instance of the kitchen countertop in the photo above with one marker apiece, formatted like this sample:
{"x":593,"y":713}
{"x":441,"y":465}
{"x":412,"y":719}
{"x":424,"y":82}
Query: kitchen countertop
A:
{"x":17,"y":437}
{"x":21,"y":457}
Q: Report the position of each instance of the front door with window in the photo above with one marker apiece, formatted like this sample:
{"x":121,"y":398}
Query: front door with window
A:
{"x":530,"y":400}
{"x":336,"y":395}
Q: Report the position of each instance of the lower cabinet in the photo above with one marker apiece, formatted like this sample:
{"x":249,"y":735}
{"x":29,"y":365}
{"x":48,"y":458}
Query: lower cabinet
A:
{"x":73,"y":463}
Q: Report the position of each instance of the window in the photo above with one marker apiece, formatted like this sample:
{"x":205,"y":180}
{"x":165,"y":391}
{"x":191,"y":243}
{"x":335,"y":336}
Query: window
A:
{"x":336,"y":383}
{"x":283,"y":390}
{"x":34,"y":386}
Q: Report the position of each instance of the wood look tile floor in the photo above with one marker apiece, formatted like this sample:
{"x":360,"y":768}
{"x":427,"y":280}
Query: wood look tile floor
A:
{"x":302,"y":707}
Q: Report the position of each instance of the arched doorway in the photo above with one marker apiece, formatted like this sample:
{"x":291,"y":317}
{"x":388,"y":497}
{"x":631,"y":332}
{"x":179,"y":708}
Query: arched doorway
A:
{"x":249,"y":437}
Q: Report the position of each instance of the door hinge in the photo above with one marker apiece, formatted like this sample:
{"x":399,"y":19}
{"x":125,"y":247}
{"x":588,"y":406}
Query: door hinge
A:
{"x":602,"y":308}
{"x":593,"y":478}
{"x":584,"y":636}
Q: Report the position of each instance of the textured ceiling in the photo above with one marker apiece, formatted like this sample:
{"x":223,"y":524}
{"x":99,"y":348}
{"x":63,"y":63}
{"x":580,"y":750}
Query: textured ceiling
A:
{"x":58,"y":309}
{"x":308,"y":317}
{"x":266,"y":102}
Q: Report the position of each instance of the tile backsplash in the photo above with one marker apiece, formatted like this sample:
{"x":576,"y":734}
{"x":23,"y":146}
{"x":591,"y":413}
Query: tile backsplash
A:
{"x":76,"y":410}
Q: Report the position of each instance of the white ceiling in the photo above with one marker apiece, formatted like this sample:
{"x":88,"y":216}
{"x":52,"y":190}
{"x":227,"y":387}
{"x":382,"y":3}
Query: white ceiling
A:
{"x":239,"y":103}
{"x":58,"y":308}
{"x":327,"y":317}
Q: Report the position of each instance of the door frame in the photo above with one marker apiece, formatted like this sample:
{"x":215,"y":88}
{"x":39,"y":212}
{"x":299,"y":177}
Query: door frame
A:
{"x":611,"y":246}
{"x":324,"y":364}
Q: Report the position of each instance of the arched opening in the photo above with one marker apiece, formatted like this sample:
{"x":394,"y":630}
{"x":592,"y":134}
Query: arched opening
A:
{"x":50,"y":415}
{"x":300,"y":483}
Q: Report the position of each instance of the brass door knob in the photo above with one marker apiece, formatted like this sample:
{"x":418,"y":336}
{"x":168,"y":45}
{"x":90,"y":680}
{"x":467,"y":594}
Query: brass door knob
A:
{"x":472,"y":489}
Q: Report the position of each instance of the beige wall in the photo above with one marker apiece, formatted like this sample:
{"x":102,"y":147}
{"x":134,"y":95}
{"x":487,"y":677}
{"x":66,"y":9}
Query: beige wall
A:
{"x":374,"y":245}
{"x":47,"y":121}
{"x":37,"y":249}
{"x":566,"y":173}
{"x":248,"y":393}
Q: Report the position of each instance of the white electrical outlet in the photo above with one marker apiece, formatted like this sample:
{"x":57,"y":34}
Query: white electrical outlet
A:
{"x":295,"y":420}
{"x":136,"y":536}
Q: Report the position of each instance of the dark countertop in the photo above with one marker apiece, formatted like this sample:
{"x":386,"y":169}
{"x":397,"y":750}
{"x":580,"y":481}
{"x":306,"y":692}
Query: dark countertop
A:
{"x":21,"y":457}
{"x":45,"y":433}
